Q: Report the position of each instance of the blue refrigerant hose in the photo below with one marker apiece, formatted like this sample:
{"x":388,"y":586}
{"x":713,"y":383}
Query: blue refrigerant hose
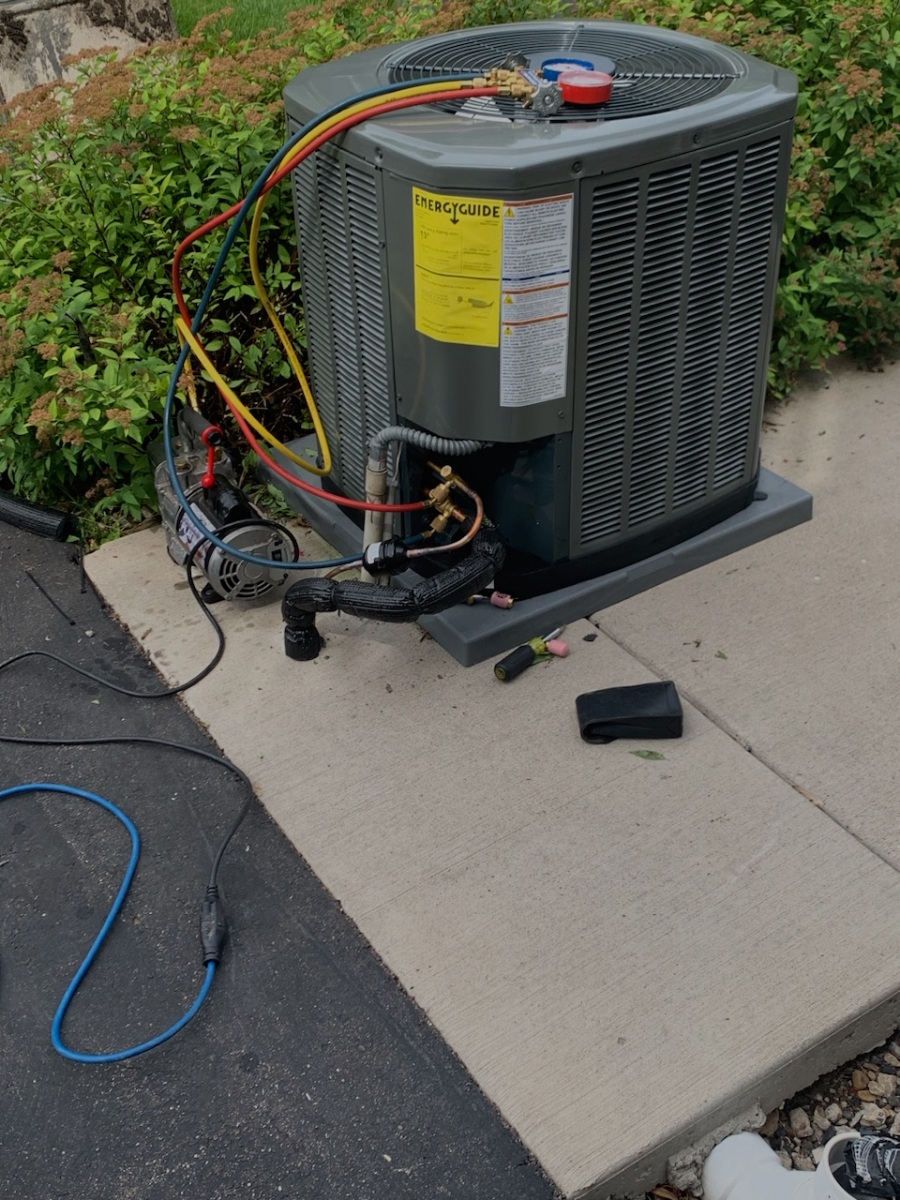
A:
{"x":209,"y":948}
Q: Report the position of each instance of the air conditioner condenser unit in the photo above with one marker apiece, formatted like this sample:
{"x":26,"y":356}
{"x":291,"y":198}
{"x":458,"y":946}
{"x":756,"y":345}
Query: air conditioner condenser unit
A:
{"x":588,"y":292}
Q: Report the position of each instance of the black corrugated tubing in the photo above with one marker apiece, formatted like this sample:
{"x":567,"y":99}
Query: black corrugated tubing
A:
{"x":396,"y":604}
{"x":34,"y":518}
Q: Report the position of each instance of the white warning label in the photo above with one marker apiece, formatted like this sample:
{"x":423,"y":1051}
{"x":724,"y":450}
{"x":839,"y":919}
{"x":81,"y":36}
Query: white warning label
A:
{"x":532,"y":364}
{"x":536,"y":285}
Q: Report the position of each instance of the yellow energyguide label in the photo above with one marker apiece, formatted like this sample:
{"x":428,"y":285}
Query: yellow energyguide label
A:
{"x":457,"y":258}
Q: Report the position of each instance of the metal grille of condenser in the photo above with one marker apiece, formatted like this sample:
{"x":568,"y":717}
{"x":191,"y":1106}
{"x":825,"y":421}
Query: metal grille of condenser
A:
{"x":337,"y":217}
{"x":651,"y":427}
{"x":648,"y":77}
{"x":672,"y":393}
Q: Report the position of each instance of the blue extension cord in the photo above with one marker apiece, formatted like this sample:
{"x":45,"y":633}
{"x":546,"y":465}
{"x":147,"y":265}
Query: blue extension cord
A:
{"x":251,"y":198}
{"x":56,"y":1030}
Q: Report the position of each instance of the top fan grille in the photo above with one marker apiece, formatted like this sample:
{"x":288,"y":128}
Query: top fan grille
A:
{"x":650,"y":75}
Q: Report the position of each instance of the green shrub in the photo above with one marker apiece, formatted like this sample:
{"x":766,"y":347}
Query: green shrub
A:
{"x":76,"y":408}
{"x":101,"y":178}
{"x":99,"y":181}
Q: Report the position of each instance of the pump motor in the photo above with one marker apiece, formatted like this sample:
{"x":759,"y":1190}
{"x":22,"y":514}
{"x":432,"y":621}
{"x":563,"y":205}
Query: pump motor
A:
{"x":217,"y":505}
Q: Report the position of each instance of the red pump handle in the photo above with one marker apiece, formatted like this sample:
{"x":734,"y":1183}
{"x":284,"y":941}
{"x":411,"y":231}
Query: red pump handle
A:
{"x":211,"y":437}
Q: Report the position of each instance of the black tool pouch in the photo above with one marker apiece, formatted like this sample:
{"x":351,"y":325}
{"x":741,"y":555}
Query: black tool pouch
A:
{"x":647,"y":710}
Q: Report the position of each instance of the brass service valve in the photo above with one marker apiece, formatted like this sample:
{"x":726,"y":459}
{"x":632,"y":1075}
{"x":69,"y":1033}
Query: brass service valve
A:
{"x":440,"y":498}
{"x":526,"y":85}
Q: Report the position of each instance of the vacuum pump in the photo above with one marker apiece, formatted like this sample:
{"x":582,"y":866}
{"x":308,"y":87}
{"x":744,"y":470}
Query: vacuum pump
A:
{"x":216,"y":504}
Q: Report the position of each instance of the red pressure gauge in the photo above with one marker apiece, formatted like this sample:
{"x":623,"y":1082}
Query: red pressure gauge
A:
{"x":586,"y":87}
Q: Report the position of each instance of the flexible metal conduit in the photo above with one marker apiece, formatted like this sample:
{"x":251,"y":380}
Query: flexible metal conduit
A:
{"x":378,"y":445}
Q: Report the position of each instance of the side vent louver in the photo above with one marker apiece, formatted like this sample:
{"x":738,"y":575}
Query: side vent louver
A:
{"x":337,"y":209}
{"x":672,"y":390}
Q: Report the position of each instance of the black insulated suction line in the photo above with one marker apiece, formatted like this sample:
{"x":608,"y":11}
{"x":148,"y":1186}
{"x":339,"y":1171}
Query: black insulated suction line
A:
{"x":397,"y":604}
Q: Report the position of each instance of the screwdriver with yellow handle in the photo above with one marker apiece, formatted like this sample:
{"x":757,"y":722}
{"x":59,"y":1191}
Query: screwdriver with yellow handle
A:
{"x":522,"y":657}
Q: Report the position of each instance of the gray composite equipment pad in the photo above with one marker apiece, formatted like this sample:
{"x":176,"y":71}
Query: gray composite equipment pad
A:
{"x":472,"y":633}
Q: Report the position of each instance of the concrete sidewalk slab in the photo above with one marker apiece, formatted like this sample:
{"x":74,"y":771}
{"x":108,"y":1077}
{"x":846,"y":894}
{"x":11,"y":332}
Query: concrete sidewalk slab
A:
{"x":623,"y":952}
{"x":794,"y":644}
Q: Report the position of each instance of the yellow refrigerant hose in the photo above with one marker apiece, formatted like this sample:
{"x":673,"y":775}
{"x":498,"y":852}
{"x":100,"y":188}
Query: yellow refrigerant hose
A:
{"x":265,"y":299}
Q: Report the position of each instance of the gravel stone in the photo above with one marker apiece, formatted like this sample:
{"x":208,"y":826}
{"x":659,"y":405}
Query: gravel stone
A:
{"x":872,"y":1116}
{"x":771,"y":1124}
{"x":800,"y":1126}
{"x":819,"y":1119}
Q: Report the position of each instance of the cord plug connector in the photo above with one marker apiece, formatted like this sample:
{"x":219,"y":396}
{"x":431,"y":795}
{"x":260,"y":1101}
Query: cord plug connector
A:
{"x":213,"y":926}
